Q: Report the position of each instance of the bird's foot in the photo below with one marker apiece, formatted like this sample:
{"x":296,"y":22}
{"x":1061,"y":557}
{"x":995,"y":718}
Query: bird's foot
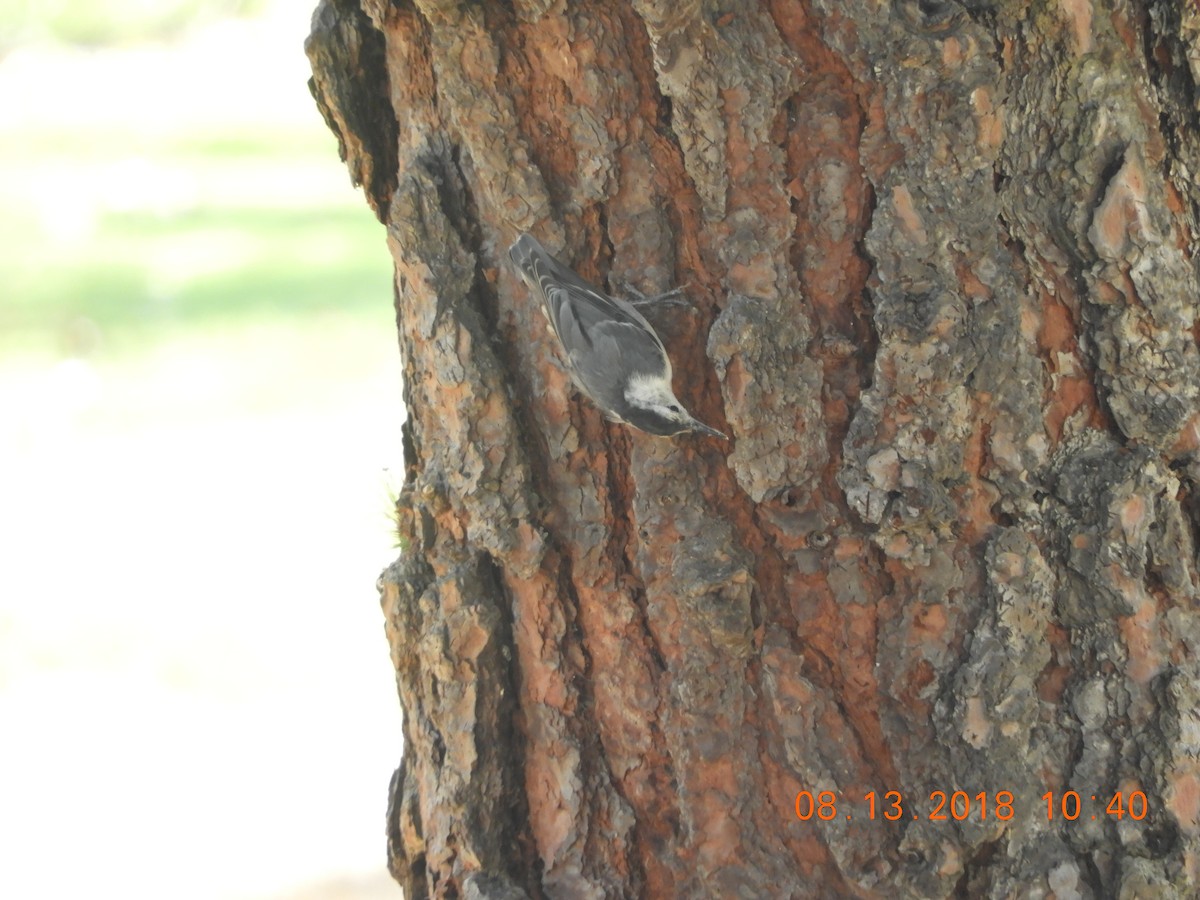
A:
{"x":673,"y":297}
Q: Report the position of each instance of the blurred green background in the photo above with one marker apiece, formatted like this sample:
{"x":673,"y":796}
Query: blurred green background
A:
{"x":200,"y":407}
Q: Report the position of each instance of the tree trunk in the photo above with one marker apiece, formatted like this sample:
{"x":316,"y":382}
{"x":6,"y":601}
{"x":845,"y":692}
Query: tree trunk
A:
{"x":943,"y":264}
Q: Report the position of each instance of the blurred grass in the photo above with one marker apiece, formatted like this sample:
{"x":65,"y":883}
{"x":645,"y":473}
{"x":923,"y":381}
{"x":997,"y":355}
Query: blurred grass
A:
{"x":141,"y":274}
{"x":202,"y":232}
{"x":88,"y":23}
{"x":163,"y":202}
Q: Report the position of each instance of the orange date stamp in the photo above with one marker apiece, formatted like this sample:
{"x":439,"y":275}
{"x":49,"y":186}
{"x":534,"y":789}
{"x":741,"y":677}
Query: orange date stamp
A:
{"x":960,"y":806}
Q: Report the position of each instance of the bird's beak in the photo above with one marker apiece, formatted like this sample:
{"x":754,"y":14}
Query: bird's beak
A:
{"x":699,"y":426}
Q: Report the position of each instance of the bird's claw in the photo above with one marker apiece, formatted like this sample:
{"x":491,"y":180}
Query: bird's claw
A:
{"x":667,"y":298}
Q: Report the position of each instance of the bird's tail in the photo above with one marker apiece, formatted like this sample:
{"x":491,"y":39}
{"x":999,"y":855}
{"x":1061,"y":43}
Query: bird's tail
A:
{"x":529,"y":256}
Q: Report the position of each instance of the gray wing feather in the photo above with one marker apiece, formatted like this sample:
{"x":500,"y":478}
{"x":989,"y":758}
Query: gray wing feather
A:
{"x":605,"y":338}
{"x":619,"y":350}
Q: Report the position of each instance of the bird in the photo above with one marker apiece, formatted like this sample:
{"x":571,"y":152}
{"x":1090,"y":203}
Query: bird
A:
{"x":613,"y":354}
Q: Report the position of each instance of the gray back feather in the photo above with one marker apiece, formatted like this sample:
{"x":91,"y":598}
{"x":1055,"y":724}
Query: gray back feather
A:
{"x":605,"y":339}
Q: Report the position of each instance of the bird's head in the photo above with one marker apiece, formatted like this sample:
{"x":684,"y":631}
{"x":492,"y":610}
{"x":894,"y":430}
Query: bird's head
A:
{"x":652,"y":406}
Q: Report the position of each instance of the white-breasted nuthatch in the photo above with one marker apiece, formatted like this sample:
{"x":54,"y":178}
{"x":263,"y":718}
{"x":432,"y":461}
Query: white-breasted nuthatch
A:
{"x":613,"y":354}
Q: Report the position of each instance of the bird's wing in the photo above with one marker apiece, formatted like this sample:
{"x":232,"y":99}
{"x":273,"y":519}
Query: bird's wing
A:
{"x":583,"y":317}
{"x":576,"y":309}
{"x":606,"y":340}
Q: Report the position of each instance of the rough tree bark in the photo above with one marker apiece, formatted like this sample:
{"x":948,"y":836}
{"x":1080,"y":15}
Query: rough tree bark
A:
{"x":943,"y":260}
